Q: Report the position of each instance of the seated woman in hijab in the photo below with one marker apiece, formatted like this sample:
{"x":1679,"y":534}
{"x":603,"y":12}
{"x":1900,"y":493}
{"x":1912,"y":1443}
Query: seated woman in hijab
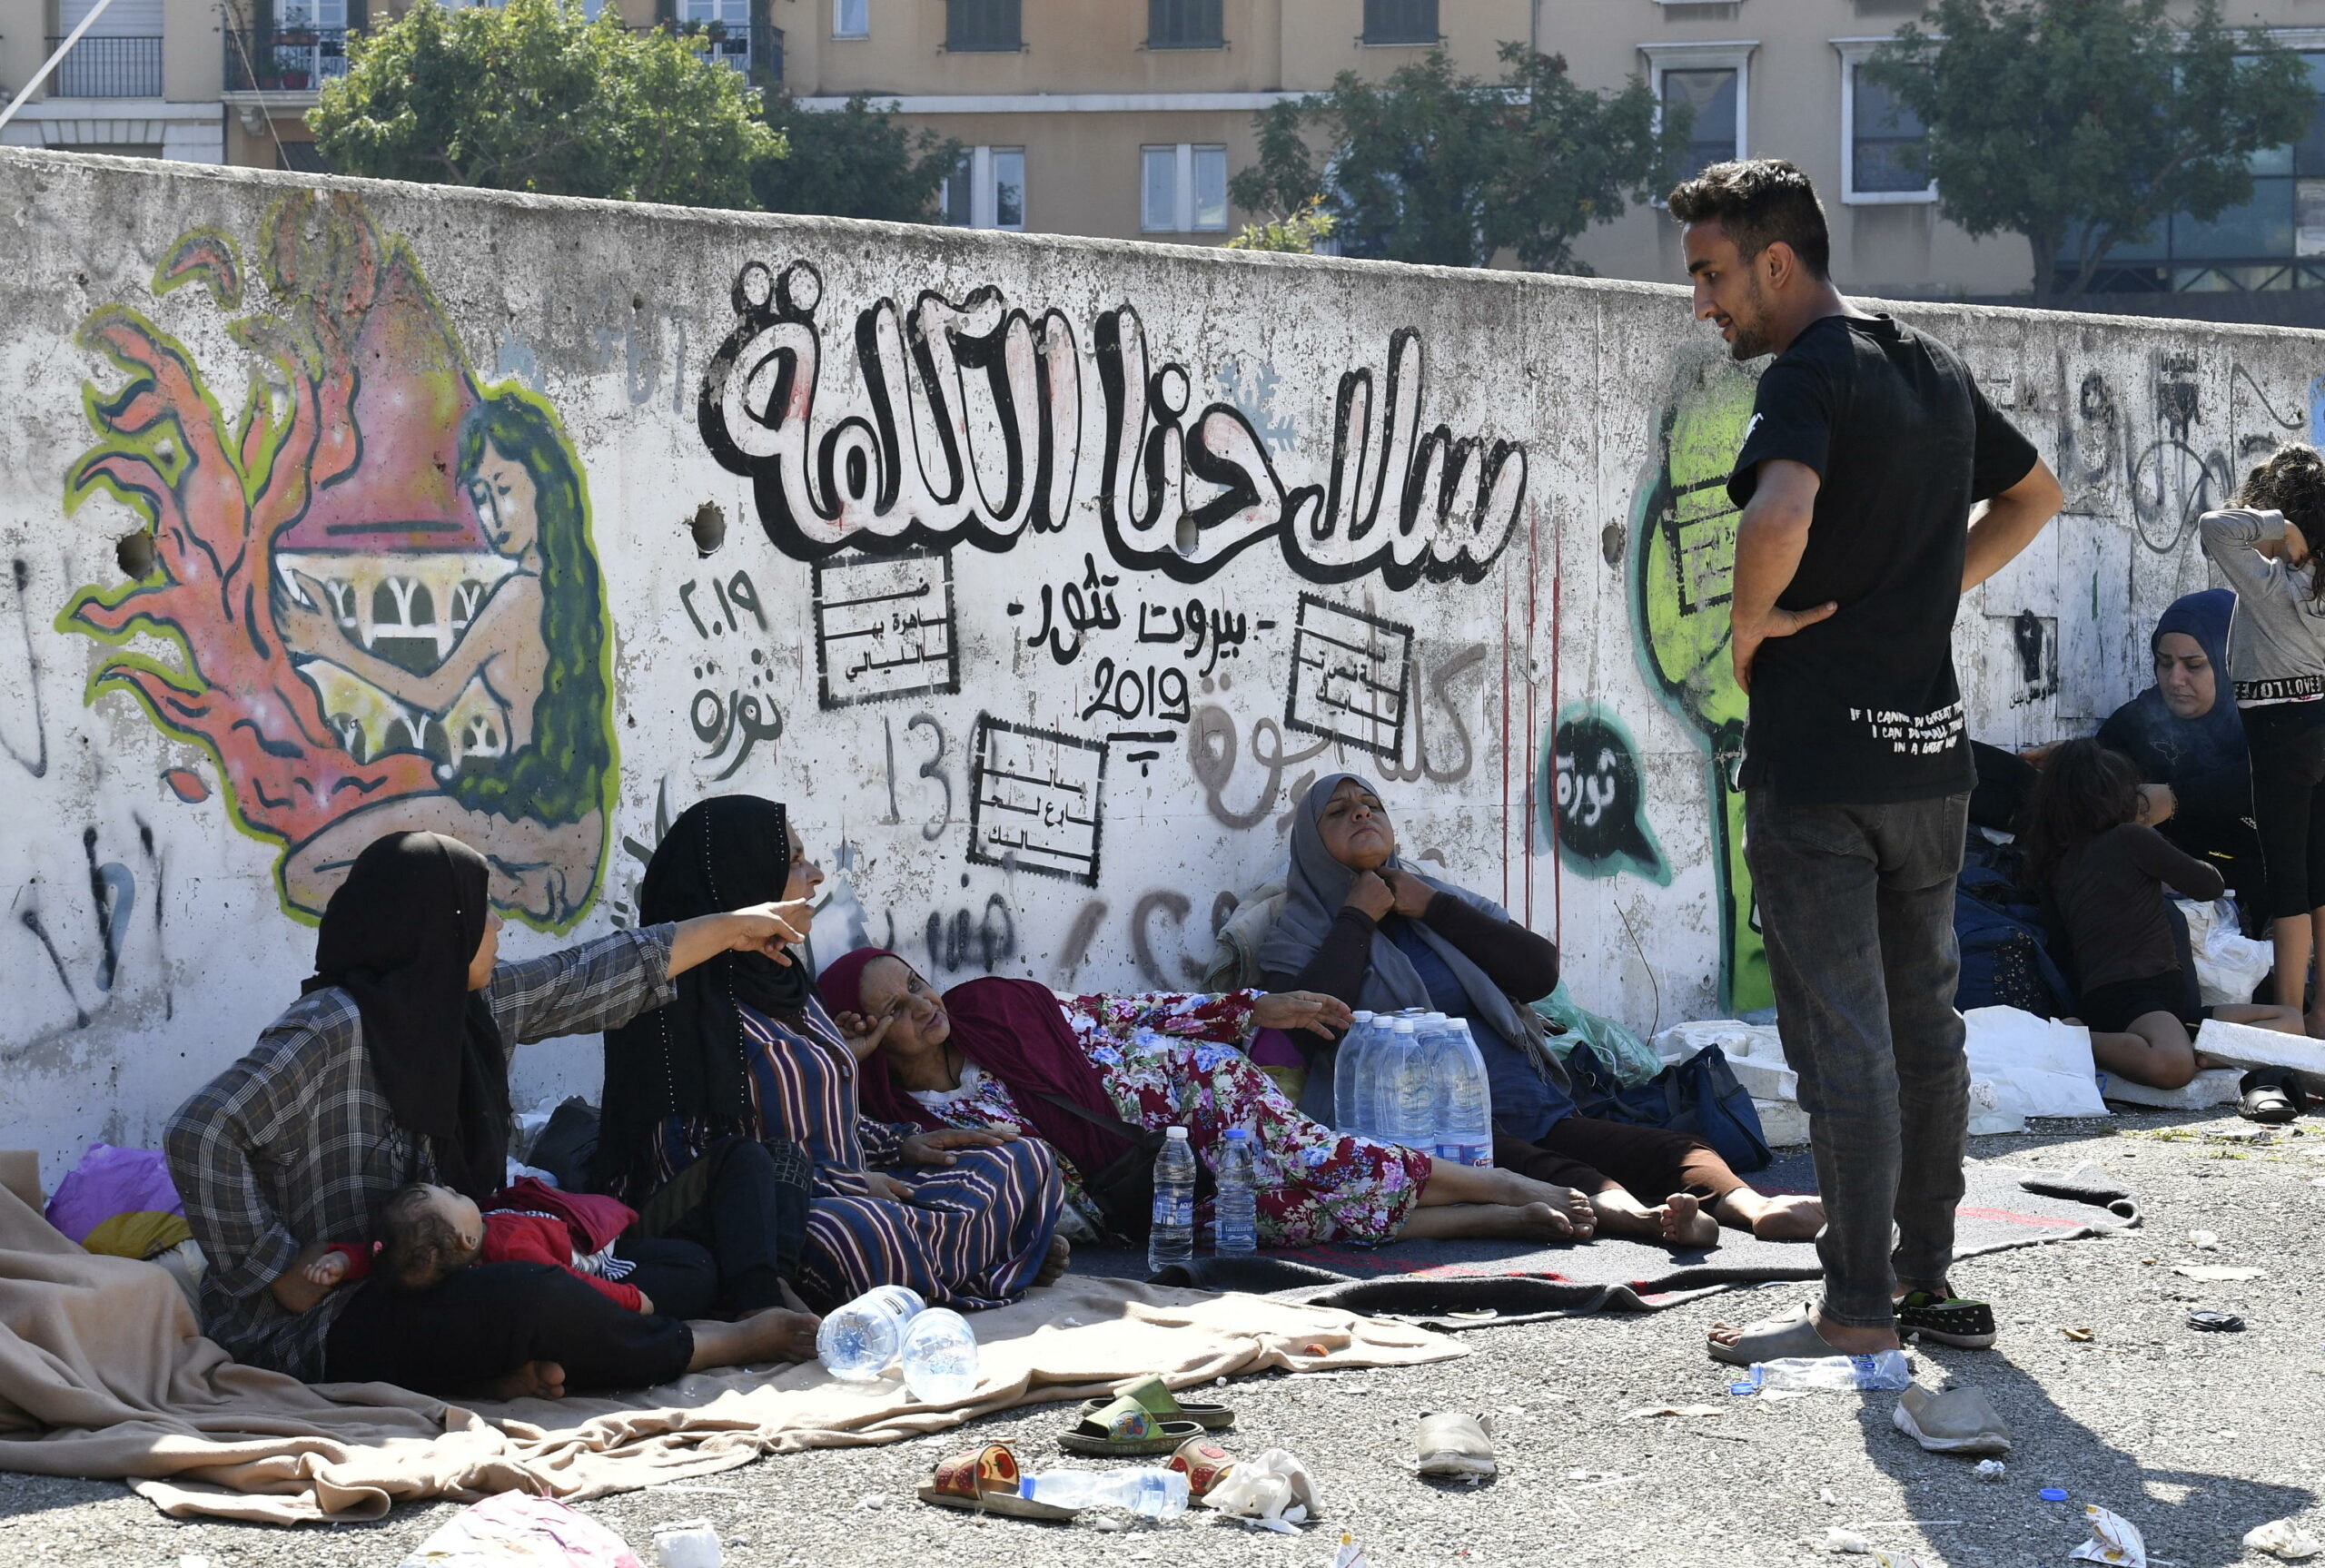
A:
{"x":968,"y":1220}
{"x":1079,"y":1072}
{"x":393,"y":1069}
{"x":2183,"y":732}
{"x":1361,"y":924}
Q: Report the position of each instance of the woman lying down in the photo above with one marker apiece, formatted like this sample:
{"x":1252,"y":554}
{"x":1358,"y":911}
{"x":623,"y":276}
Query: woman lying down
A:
{"x":1001,"y":1054}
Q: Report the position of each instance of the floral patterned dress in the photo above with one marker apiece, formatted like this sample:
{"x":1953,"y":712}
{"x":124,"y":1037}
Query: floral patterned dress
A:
{"x":1169,"y":1059}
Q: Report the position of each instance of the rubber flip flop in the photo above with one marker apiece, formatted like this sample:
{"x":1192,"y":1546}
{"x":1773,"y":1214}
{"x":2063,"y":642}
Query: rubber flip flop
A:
{"x":2267,"y":1095}
{"x":1454,"y":1445}
{"x":1958,"y":1421}
{"x":985,"y":1481}
{"x":2213,"y":1320}
{"x":1155,"y":1396}
{"x":1127,"y":1429}
{"x":1203,"y":1463}
{"x":1948,"y":1320}
{"x":1774,"y":1339}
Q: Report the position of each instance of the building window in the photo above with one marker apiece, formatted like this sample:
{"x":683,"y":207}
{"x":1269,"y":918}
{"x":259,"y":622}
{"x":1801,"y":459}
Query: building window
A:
{"x":983,"y":26}
{"x":851,"y":18}
{"x":1184,"y":25}
{"x":730,"y":22}
{"x":1713,"y":83}
{"x":1400,"y":20}
{"x":1182,"y":190}
{"x":985,"y":190}
{"x":1880,"y":136}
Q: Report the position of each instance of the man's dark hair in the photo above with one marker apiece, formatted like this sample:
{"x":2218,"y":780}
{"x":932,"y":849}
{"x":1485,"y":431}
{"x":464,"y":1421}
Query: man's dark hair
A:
{"x":1759,"y":201}
{"x":417,"y":1248}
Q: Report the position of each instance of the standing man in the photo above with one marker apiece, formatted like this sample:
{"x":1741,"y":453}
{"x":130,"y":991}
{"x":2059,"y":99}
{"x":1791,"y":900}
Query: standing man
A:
{"x":1869,"y":446}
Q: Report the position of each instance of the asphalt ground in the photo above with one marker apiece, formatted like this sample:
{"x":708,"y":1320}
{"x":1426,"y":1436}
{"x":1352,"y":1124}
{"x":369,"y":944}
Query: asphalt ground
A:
{"x":2195,"y":1437}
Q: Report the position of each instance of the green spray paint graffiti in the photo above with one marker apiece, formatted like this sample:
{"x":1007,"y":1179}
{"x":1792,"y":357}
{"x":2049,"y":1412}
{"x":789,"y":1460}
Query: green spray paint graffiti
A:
{"x":1683,"y":557}
{"x":379,"y":582}
{"x":1591,"y":796}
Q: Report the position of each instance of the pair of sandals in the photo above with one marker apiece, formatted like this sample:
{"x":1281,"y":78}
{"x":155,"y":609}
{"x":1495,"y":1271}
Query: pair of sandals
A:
{"x":1143,"y":1419}
{"x":2271,"y":1094}
{"x":1944,"y":1320}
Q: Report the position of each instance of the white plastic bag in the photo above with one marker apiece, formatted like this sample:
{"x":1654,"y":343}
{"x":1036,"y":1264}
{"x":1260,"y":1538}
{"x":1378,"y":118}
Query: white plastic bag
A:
{"x":2284,"y":1539}
{"x":2038,"y":1066}
{"x":1270,"y":1489}
{"x":518,"y":1530}
{"x":2230,"y":965}
{"x":2114,"y":1539}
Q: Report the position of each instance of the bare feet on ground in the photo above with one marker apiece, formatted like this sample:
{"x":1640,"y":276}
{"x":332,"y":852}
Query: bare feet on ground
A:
{"x":1054,"y":1265}
{"x":1779,"y":1216}
{"x":775,"y":1334}
{"x":1522,"y":1222}
{"x":533,"y":1380}
{"x":1523,"y":1191}
{"x":1684,"y":1222}
{"x":1846,"y":1339}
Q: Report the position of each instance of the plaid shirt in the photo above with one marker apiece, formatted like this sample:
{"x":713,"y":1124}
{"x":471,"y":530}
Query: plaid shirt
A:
{"x":295,"y":1144}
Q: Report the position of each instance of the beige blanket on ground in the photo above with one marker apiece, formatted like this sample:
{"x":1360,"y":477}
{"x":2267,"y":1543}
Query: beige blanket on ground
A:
{"x":102,"y":1374}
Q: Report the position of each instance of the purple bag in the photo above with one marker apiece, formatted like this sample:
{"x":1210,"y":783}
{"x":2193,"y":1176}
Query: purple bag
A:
{"x":110,"y":1181}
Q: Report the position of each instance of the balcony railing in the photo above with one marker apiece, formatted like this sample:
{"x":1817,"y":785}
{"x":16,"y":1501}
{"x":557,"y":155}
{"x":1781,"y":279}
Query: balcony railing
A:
{"x":108,"y":68}
{"x":284,"y":59}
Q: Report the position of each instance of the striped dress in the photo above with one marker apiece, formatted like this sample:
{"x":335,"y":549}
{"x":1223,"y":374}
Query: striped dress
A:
{"x":976,"y":1231}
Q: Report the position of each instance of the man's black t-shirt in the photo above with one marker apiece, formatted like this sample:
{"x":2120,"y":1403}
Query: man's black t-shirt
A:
{"x":1864,"y":707}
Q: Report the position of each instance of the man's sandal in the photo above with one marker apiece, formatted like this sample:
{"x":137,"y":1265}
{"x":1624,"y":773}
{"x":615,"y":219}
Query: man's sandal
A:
{"x":1155,"y":1396}
{"x":1948,"y":1320}
{"x":1127,"y":1429}
{"x":985,"y":1481}
{"x":1774,"y":1339}
{"x":2268,"y":1094}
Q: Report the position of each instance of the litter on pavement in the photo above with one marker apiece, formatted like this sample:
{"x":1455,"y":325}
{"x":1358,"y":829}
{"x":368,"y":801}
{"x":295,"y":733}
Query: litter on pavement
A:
{"x":2283,"y":1539}
{"x":2114,"y":1539}
{"x":519,"y":1530}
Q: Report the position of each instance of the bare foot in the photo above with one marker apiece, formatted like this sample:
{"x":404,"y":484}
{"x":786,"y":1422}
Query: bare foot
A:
{"x":1525,"y":1222}
{"x":1054,"y":1265}
{"x":1515,"y":1191}
{"x":775,"y":1334}
{"x":533,"y":1380}
{"x":1846,"y":1339}
{"x":1685,"y":1223}
{"x":1779,"y":1216}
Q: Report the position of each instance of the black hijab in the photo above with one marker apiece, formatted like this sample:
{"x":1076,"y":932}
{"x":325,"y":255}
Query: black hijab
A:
{"x":398,"y":937}
{"x":724,"y":854}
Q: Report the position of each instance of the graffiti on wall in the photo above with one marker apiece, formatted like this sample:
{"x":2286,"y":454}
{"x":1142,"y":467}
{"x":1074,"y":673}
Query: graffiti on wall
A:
{"x":970,"y":427}
{"x":377,"y":578}
{"x":1683,"y":546}
{"x":1593,"y":799}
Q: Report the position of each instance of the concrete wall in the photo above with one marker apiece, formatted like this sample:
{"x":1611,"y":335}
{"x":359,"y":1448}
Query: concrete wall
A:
{"x":1059,"y":739}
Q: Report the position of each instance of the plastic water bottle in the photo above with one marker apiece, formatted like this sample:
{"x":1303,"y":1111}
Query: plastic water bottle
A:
{"x":1147,"y":1492}
{"x":1237,"y":1205}
{"x":940,"y":1358}
{"x":1172,"y":1238}
{"x":1385,"y":1067}
{"x":1886,"y":1370}
{"x":1421,"y":1086}
{"x":858,"y":1341}
{"x":1466,"y":1136}
{"x":1347,"y":1116}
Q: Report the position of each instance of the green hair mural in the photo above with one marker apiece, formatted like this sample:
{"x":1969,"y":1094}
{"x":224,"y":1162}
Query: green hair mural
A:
{"x":1682,"y":562}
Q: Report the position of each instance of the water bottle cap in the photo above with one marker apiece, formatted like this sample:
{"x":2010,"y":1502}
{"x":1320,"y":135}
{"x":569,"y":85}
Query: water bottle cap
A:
{"x":1177,"y":1135}
{"x":1363,"y":1018}
{"x":1434,"y":1017}
{"x":1404,"y":1026}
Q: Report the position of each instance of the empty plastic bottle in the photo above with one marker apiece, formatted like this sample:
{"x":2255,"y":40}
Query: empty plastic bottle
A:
{"x":1347,"y":1061}
{"x":940,"y":1358}
{"x":1465,"y":1135}
{"x":1150,"y":1493}
{"x":1237,"y":1204}
{"x":1885,"y":1370}
{"x":858,"y":1341}
{"x":1172,"y":1238}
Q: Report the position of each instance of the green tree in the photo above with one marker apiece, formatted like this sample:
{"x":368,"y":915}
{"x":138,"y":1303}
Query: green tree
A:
{"x":533,"y":97}
{"x":855,"y":162}
{"x":1435,"y":166}
{"x":2083,"y":124}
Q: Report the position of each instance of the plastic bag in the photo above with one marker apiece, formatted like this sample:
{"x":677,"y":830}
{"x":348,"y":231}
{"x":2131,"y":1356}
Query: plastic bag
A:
{"x":1270,"y":1489}
{"x":121,"y":1202}
{"x":2038,"y":1066}
{"x":2230,"y":965}
{"x":2114,"y":1539}
{"x":518,"y":1530}
{"x":2283,"y":1539}
{"x":1633,"y":1061}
